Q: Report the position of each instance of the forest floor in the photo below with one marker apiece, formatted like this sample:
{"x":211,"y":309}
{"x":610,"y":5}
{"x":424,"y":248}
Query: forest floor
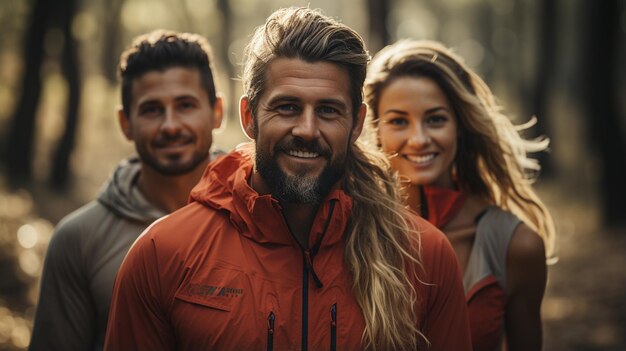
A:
{"x":585,"y":304}
{"x":584,"y":308}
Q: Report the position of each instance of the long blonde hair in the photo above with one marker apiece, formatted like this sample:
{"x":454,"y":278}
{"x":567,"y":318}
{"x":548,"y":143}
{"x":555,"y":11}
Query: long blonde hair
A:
{"x":492,"y":160}
{"x":380,"y":245}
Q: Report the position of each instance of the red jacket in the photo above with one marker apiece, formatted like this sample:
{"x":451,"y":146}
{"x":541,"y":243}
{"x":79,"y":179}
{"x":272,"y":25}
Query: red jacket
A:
{"x":224,"y":273}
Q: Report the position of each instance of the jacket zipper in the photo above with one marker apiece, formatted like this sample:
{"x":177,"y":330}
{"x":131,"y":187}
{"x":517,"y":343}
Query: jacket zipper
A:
{"x":307,"y":261}
{"x":333,"y":327}
{"x":270,"y":331}
{"x":305,"y":304}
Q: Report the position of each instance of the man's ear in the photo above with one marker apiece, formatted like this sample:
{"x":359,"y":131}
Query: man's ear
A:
{"x":246,"y":117}
{"x":218,"y":112}
{"x":124,"y":121}
{"x":358,"y":123}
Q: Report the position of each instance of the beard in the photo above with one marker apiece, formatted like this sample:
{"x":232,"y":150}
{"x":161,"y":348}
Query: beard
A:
{"x":299,"y":188}
{"x":174,"y":164}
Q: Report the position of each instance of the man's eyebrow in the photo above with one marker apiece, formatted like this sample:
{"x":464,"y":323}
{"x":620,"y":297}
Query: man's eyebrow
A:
{"x":282,"y":98}
{"x":186,"y":96}
{"x":335,"y":102}
{"x":149,"y":102}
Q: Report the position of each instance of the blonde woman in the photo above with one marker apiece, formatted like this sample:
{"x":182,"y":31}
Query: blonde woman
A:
{"x":465,"y":168}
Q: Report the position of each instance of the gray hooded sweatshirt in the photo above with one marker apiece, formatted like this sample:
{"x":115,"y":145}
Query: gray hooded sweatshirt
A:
{"x":84,"y":255}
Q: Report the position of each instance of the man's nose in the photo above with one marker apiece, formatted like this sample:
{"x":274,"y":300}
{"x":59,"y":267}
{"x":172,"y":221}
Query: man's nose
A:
{"x":307,"y":127}
{"x":171,"y":123}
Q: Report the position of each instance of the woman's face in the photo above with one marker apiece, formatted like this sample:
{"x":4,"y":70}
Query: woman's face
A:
{"x":418,"y":130}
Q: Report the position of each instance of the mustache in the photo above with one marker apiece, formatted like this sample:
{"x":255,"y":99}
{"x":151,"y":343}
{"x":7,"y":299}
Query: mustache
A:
{"x":299,"y":144}
{"x":166,"y":139}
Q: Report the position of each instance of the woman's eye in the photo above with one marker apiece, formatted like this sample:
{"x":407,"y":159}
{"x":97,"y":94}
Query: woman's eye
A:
{"x":397,"y":122}
{"x":437,"y":119}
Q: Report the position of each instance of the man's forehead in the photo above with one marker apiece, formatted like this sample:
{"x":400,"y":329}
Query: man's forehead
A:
{"x":170,"y":83}
{"x":299,"y":79}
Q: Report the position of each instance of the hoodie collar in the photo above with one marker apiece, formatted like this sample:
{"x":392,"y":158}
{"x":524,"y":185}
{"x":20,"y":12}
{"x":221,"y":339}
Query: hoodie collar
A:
{"x":121,"y":195}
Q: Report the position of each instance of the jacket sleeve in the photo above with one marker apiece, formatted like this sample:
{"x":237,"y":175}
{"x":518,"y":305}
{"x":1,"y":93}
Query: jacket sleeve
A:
{"x":65,"y":305}
{"x":137,"y":318}
{"x":446,"y":325}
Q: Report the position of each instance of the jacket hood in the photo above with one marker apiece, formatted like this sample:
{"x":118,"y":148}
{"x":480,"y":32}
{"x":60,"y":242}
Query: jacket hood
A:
{"x":121,"y":196}
{"x":224,"y":187}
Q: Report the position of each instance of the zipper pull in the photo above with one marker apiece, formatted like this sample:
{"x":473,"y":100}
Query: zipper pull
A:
{"x":270,"y":323}
{"x":309,"y":262}
{"x":333,"y":327}
{"x":270,"y":331}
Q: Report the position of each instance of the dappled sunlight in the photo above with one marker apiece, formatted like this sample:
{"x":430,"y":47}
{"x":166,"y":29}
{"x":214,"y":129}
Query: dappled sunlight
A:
{"x":23,"y":242}
{"x":584,"y":307}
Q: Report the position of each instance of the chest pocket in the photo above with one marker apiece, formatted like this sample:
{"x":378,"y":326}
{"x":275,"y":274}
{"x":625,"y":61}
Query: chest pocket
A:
{"x":218,"y":287}
{"x":221,"y":307}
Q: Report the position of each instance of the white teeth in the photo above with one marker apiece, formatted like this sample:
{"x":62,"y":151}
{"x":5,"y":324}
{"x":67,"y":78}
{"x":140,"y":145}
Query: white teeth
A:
{"x":420,"y":159}
{"x":303,"y":154}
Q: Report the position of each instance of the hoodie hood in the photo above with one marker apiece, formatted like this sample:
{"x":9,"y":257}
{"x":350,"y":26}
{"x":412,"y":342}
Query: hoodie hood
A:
{"x":224,"y":187}
{"x":121,"y":196}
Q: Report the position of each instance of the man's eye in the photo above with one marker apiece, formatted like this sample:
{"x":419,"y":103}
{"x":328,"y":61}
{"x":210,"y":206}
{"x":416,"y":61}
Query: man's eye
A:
{"x":186,"y":105}
{"x":287,"y":108}
{"x":327,"y":110}
{"x":150,"y":110}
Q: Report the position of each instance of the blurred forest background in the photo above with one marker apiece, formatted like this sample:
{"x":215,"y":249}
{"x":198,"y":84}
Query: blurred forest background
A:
{"x":560,"y":60}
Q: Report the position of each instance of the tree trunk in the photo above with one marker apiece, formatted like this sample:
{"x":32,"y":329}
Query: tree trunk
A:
{"x":18,"y":150}
{"x":546,"y":39}
{"x":111,"y":48}
{"x":599,"y":68}
{"x":379,"y":37}
{"x":61,"y":166}
{"x":227,"y":21}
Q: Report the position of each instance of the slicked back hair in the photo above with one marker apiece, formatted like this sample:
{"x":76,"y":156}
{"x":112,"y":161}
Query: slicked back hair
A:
{"x":308,"y":35}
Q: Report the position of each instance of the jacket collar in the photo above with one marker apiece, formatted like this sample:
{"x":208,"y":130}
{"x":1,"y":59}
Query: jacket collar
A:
{"x":225,"y":186}
{"x":442,"y":204}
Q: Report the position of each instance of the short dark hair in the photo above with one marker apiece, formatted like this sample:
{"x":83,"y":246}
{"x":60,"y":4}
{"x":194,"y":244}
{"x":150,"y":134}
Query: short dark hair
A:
{"x":309,"y":35}
{"x":160,"y":50}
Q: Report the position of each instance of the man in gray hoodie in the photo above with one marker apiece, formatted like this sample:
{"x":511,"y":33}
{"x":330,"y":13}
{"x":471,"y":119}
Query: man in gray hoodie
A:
{"x":169,"y":110}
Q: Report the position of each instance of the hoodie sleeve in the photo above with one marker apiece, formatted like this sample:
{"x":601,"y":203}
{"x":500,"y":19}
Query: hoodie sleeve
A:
{"x":65,"y":305}
{"x":446,"y":322}
{"x":137,"y":319}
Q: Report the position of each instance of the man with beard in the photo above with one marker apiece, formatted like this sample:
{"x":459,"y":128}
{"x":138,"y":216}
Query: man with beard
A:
{"x":298,"y":241}
{"x":169,"y":110}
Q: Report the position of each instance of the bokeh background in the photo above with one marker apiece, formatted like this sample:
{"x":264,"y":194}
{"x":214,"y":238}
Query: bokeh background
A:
{"x":559,"y":60}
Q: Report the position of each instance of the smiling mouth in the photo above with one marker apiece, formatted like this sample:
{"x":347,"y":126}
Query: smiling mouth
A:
{"x":420,"y":159}
{"x":302,"y":154}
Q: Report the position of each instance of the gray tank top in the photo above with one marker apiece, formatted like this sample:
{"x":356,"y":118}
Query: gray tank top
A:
{"x":488,"y":257}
